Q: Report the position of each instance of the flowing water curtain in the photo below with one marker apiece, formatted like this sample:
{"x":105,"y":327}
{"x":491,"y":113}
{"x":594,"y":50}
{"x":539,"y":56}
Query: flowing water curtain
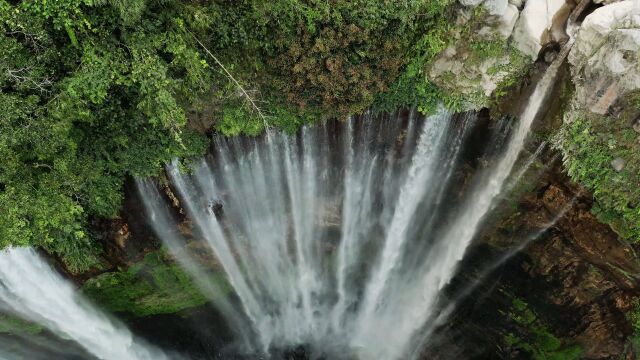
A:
{"x":300,"y":215}
{"x":335,"y":236}
{"x":31,"y":289}
{"x":418,"y":298}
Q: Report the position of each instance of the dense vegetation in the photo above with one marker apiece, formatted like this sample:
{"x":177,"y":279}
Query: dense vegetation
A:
{"x":95,"y":90}
{"x":591,"y":145}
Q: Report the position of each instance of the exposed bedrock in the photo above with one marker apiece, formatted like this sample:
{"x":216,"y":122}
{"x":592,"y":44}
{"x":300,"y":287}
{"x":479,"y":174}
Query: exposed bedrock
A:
{"x":497,"y":41}
{"x":605,"y":58}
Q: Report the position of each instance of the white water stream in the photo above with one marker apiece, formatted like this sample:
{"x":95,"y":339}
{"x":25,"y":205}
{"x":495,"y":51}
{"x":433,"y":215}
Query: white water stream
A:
{"x":31,"y":289}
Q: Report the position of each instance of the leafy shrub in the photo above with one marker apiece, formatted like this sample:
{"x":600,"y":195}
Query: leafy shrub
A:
{"x":590,"y":143}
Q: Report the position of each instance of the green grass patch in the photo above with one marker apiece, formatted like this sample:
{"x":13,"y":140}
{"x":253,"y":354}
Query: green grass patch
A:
{"x":156,"y":285}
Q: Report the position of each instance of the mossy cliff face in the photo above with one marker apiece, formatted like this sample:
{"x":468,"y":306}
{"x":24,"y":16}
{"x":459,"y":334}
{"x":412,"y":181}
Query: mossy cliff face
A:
{"x":155,"y":285}
{"x":143,"y":278}
{"x":600,"y":138}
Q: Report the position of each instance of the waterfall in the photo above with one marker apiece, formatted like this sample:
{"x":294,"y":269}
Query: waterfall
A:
{"x":310,"y":229}
{"x":31,"y":289}
{"x":418,"y":296}
{"x":342,"y":237}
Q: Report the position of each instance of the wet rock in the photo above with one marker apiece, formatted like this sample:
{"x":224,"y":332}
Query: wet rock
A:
{"x":597,"y":322}
{"x":122,"y":236}
{"x":595,"y":242}
{"x":618,"y":164}
{"x":549,"y":56}
{"x":175,"y":202}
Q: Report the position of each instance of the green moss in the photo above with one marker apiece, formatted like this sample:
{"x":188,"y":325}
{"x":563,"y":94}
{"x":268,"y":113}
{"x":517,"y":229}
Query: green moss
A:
{"x":153,"y":286}
{"x":538,"y":340}
{"x":12,"y":325}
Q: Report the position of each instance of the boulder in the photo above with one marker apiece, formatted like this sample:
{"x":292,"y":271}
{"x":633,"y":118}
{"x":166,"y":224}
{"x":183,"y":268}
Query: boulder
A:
{"x":618,"y":164}
{"x":605,"y":58}
{"x":534,"y":28}
{"x":470,"y":2}
{"x":518,"y":3}
{"x":508,"y":21}
{"x":496,"y":7}
{"x":502,"y":14}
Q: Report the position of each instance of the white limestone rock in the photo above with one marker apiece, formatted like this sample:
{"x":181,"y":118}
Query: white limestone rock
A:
{"x":496,"y":7}
{"x":605,"y":58}
{"x":534,"y":27}
{"x":476,"y":76}
{"x":470,"y":2}
{"x":502,"y":15}
{"x":508,"y":21}
{"x":458,"y":72}
{"x":618,"y":164}
{"x":517,"y":3}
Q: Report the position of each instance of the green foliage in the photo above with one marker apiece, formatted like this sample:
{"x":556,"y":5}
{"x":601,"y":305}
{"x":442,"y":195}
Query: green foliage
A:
{"x":540,"y":343}
{"x":590,"y":143}
{"x":237,"y":119}
{"x":333,"y":58}
{"x":412,"y":88}
{"x":153,"y":286}
{"x":88,"y":98}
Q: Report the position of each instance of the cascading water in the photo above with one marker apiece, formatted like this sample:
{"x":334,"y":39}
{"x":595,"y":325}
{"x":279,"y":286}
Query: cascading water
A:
{"x":299,"y":224}
{"x":32,"y":290}
{"x":340,"y":239}
{"x":343,"y":237}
